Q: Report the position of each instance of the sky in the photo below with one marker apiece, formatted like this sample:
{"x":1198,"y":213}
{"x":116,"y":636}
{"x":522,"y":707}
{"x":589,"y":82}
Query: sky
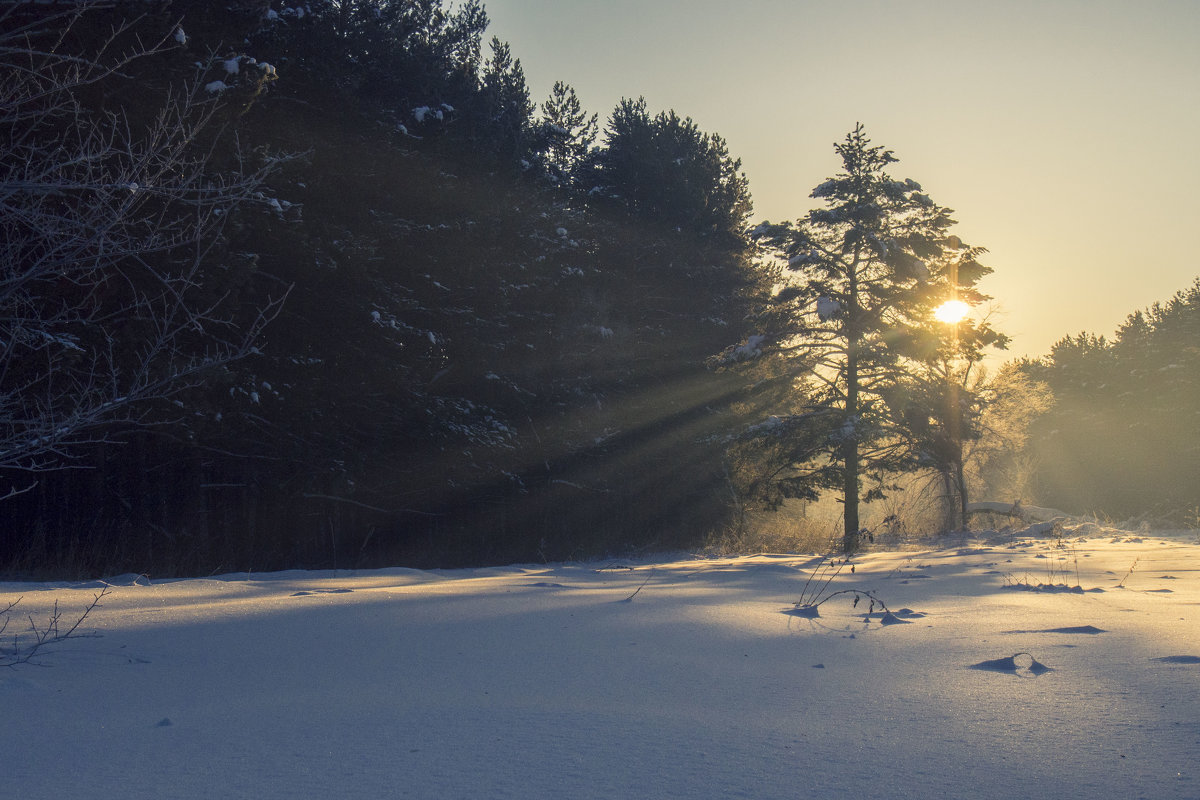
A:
{"x":1065,"y":135}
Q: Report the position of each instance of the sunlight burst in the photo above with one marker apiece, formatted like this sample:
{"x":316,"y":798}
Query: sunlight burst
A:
{"x":951,"y":311}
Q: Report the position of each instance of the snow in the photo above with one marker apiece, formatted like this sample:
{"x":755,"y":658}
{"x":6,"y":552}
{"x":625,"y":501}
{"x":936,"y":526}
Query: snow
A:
{"x":773,"y":423}
{"x":669,"y":678}
{"x":232,"y":65}
{"x":752,"y":348}
{"x":826,"y":189}
{"x":215,"y":86}
{"x":827,"y":307}
{"x":421,"y":112}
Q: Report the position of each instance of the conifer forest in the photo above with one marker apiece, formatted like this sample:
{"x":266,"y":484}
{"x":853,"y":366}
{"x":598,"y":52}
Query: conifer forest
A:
{"x":324,"y":286}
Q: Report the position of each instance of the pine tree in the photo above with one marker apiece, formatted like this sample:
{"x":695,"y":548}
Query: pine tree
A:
{"x":944,"y":394}
{"x":505,"y":129}
{"x":666,"y":170}
{"x":565,"y":132}
{"x":855,"y":321}
{"x":1132,"y":401}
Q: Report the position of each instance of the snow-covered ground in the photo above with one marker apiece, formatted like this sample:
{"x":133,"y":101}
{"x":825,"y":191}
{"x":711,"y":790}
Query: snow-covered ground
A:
{"x":558,"y":681}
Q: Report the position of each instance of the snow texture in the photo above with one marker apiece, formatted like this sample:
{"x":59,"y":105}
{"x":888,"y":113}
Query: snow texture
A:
{"x":681,"y":677}
{"x":827,"y":307}
{"x":752,"y":348}
{"x":421,"y":112}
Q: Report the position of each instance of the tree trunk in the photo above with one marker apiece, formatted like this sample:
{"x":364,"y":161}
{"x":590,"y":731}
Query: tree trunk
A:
{"x":850,"y":454}
{"x":961,"y":479}
{"x":850,"y":426}
{"x":948,"y":495}
{"x":850,"y":491}
{"x":956,"y":429}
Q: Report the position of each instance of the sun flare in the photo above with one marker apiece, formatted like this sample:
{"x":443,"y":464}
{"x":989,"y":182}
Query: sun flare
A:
{"x":951,"y":311}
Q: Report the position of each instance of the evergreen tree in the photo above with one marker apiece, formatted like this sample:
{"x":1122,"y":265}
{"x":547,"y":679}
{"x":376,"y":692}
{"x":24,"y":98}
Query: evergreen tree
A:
{"x":1123,"y":435}
{"x":406,"y":52}
{"x":503,"y":129}
{"x":565,"y":134}
{"x":854,"y":320}
{"x":467,"y":368}
{"x":666,"y":170}
{"x":943,"y":396}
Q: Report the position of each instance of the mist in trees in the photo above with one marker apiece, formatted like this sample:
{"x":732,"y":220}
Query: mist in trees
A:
{"x":325,"y":286}
{"x":856,"y":383}
{"x":1122,"y":437}
{"x":851,"y":330}
{"x":491,"y":349}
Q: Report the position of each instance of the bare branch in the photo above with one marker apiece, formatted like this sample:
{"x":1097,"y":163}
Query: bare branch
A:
{"x":109,"y":232}
{"x":24,"y":647}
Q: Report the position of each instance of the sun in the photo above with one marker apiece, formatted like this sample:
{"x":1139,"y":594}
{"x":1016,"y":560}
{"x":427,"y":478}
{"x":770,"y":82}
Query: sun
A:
{"x":951,"y":311}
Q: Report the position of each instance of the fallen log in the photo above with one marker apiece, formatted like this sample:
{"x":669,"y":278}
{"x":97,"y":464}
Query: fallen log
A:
{"x":1023,"y":513}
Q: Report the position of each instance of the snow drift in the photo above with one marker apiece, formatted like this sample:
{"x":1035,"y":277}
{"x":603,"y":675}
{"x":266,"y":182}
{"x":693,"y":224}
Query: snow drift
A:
{"x":682,"y":677}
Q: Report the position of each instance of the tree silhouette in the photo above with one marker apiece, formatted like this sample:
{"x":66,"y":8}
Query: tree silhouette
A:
{"x":566,"y":133}
{"x":854,"y":320}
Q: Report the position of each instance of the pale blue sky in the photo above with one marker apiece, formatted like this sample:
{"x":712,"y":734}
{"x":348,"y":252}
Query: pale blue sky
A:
{"x":1065,"y":134}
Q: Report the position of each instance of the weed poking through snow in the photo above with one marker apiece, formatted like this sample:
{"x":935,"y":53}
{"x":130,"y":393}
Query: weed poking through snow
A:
{"x":816,"y":593}
{"x":22,"y":647}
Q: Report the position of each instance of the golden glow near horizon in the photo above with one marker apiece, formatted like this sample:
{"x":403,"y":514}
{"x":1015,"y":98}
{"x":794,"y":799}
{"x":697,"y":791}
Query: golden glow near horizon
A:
{"x":951,"y":311}
{"x":1017,"y":134}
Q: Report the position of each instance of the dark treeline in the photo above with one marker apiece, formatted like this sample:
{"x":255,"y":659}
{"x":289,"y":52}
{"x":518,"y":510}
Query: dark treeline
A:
{"x":497,"y":310}
{"x":1122,"y":437}
{"x":322,"y":285}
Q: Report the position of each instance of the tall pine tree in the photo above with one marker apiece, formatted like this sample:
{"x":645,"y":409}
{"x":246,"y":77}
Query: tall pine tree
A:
{"x":854,"y":320}
{"x":565,"y":134}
